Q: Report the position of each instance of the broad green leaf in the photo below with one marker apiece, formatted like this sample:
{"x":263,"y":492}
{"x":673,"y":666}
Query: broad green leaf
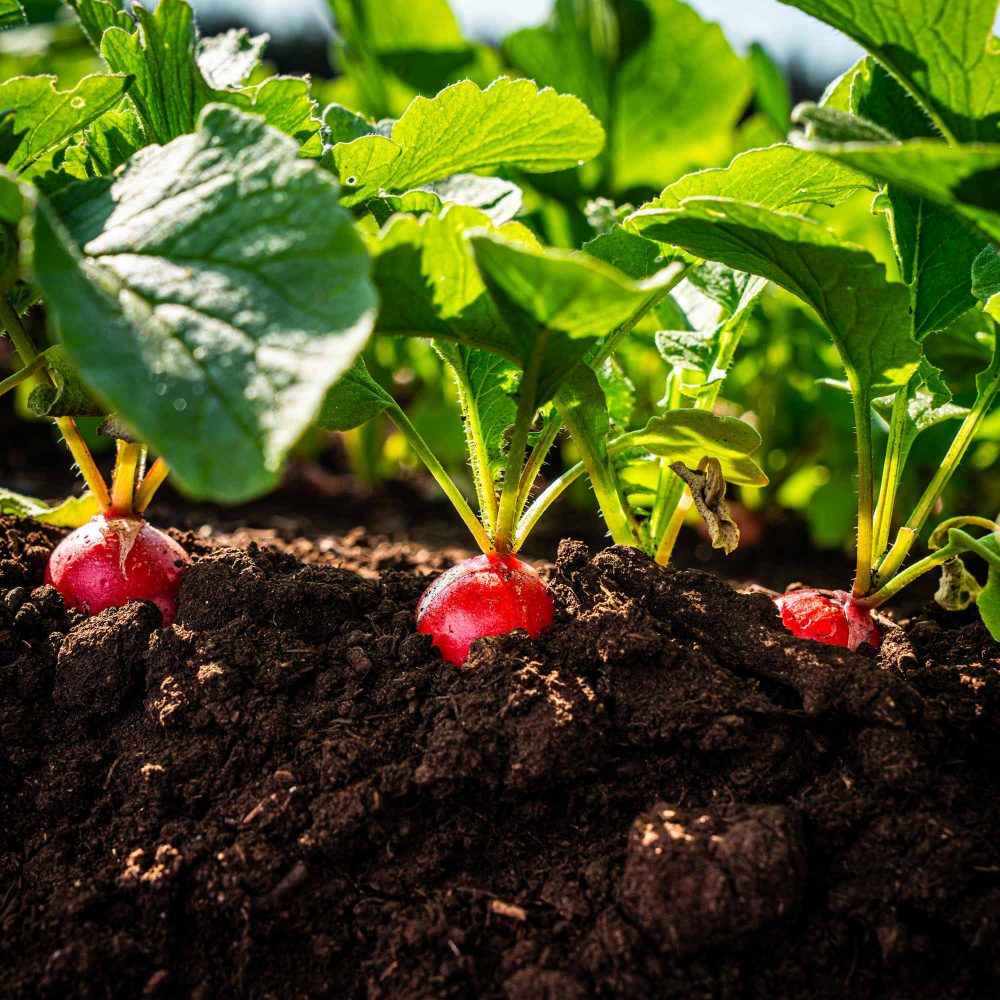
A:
{"x":867,"y":316}
{"x":170,"y":89}
{"x":633,"y":255}
{"x":575,"y":52}
{"x":344,"y":125}
{"x":510,"y":124}
{"x":71,"y":513}
{"x":69,"y":396}
{"x":285,"y":103}
{"x":11,"y":14}
{"x":688,"y":436}
{"x":677,"y":99}
{"x":559,"y":303}
{"x":965,"y":178}
{"x":104,"y":146}
{"x":353,"y":400}
{"x":430,"y":285}
{"x":780,"y":177}
{"x":392,"y":50}
{"x":986,"y":280}
{"x":44,"y":117}
{"x":237,"y":312}
{"x":944,"y":53}
{"x":12,"y":196}
{"x":618,"y":391}
{"x":935,"y":248}
{"x":770,"y":89}
{"x":227,"y":60}
{"x":96,"y":16}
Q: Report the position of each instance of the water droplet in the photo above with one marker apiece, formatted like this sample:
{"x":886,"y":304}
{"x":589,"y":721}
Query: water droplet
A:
{"x":579,"y":163}
{"x":351,"y":181}
{"x":77,"y":102}
{"x":180,"y":404}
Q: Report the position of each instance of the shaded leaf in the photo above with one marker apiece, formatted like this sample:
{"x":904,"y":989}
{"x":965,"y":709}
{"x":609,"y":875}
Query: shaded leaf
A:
{"x":867,"y":315}
{"x":44,"y":117}
{"x":238,"y":319}
{"x":353,"y":400}
{"x":70,"y":396}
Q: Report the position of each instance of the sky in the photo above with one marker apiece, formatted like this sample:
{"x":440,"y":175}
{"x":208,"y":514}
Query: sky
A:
{"x":787,"y":33}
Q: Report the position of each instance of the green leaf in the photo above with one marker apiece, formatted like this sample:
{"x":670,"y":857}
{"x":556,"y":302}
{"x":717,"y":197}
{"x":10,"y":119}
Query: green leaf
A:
{"x":104,"y":146}
{"x":71,"y":513}
{"x":688,"y":436}
{"x":285,"y":103}
{"x":237,"y":312}
{"x":946,"y":57}
{"x":677,"y":99}
{"x":70,"y":396}
{"x":558,"y":303}
{"x":11,"y":14}
{"x":923,"y":412}
{"x":986,"y":280}
{"x":44,"y":117}
{"x":353,"y":400}
{"x":771,"y":93}
{"x":343,"y":125}
{"x":619,"y":392}
{"x":867,"y":316}
{"x":512,"y":123}
{"x":989,"y":603}
{"x":783,"y":178}
{"x":430,"y":285}
{"x":96,"y":16}
{"x":227,"y":60}
{"x":934,"y":248}
{"x":170,"y":90}
{"x":630,"y":253}
{"x":499,"y":199}
{"x":966,"y":179}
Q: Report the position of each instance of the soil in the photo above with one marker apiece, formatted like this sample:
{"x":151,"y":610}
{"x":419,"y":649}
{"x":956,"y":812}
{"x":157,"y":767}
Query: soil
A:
{"x":289,"y":794}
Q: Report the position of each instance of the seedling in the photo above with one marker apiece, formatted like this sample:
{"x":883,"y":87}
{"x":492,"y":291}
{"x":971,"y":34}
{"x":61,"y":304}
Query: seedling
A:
{"x":200,"y":279}
{"x":529,"y":334}
{"x":935,"y":192}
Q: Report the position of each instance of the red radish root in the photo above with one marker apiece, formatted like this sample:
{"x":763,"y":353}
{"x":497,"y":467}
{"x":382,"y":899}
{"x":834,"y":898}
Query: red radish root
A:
{"x":110,"y":561}
{"x":833,"y":617}
{"x":485,"y":595}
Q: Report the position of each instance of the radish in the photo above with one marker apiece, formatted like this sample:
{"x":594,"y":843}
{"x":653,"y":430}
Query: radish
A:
{"x":482,"y":596}
{"x":828,"y":616}
{"x":110,"y":561}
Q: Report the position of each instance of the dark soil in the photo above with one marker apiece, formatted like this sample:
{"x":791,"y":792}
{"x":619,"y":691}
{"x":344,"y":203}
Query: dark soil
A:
{"x":288,"y":794}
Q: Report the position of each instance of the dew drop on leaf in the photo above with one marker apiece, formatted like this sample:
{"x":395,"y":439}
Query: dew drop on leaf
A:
{"x":77,"y":102}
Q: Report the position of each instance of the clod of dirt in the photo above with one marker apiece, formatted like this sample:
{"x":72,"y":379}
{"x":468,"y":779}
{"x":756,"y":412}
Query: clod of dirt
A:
{"x":100,"y":662}
{"x":289,"y":793}
{"x":693,"y":880}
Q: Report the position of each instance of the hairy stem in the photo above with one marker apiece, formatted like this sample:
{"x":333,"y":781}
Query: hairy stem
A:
{"x":475,"y":441}
{"x":23,"y":375}
{"x":123,"y":479}
{"x":866,"y":490}
{"x":151,"y":482}
{"x":527,"y":397}
{"x":553,"y":425}
{"x":434,"y":467}
{"x":892,"y":472}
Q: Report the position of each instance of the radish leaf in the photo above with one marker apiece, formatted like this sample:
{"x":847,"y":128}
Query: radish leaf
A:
{"x":219,"y":272}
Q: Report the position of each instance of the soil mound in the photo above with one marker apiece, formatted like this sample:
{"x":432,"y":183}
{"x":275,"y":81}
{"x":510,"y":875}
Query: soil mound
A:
{"x":289,"y":794}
